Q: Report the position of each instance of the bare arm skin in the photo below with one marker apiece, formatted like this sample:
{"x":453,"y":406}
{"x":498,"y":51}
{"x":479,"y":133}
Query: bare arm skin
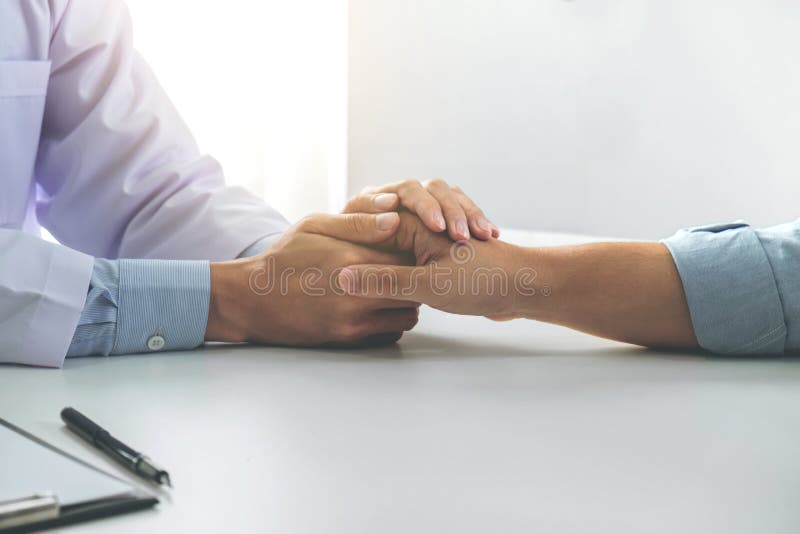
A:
{"x":629,"y":292}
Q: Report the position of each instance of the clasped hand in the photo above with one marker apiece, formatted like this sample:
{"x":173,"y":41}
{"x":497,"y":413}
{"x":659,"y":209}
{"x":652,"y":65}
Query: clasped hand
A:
{"x":298,"y":292}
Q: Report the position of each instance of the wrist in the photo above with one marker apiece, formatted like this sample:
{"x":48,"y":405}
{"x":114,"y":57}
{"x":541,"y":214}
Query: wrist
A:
{"x":226,"y":310}
{"x":537,"y":283}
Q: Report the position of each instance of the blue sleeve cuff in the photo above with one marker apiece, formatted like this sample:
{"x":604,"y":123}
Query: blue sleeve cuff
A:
{"x":782,"y":245}
{"x":97,"y":326}
{"x":131,"y":301}
{"x":730,"y":288}
{"x":165,"y":298}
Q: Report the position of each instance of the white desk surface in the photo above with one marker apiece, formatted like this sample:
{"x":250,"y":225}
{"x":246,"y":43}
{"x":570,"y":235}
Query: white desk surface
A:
{"x":464,"y":426}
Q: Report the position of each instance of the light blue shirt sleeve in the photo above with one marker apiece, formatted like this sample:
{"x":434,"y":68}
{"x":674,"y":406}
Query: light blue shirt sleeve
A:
{"x":742,"y":286}
{"x":131,"y":301}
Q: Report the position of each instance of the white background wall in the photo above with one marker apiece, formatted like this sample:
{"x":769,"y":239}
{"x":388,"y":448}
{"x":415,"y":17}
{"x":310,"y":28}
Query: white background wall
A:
{"x":263,"y":87}
{"x":615,"y":117}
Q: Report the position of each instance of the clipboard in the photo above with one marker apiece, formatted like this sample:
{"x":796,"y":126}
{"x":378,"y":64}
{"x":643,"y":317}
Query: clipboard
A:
{"x":42,"y":486}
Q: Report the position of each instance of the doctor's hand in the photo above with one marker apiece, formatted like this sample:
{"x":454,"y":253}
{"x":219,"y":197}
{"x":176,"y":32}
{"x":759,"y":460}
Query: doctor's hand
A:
{"x":289,"y":295}
{"x":490,"y":278}
{"x":436,"y":203}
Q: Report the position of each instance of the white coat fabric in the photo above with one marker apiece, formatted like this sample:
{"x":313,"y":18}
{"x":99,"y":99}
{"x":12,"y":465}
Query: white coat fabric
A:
{"x":92,"y":149}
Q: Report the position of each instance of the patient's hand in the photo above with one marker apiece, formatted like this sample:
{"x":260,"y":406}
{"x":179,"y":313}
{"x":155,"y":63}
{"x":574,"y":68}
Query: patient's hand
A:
{"x":629,"y":292}
{"x":436,"y":203}
{"x":489,"y":278}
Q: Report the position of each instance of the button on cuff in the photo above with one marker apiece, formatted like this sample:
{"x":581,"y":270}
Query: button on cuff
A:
{"x":163,"y":305}
{"x":155,"y":343}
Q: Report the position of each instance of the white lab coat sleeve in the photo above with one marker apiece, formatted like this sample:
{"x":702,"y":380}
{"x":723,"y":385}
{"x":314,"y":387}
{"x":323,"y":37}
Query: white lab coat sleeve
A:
{"x":119,"y":173}
{"x":42,"y":292}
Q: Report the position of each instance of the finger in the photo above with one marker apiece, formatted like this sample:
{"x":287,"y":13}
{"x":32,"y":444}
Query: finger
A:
{"x":391,"y":282}
{"x":362,"y":254}
{"x":467,"y":203}
{"x":387,"y":304}
{"x":375,"y":323}
{"x":416,"y":199}
{"x":374,"y":257}
{"x":454,"y":214}
{"x":478,"y":223}
{"x":354,"y":227}
{"x":502,"y":317}
{"x":419,"y":201}
{"x":379,"y":340}
{"x":387,"y":321}
{"x":372,"y":203}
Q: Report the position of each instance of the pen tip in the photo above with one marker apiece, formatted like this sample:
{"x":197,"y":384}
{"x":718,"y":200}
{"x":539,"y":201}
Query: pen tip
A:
{"x":166,"y":480}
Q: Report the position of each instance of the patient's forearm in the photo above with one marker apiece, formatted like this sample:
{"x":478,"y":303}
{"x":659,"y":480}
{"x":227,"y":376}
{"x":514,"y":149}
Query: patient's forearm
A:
{"x":624,"y":291}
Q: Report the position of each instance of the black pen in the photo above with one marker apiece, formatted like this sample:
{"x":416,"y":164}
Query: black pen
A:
{"x":100,"y":438}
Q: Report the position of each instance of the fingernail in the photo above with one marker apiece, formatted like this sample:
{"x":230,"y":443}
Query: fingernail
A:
{"x":386,"y":221}
{"x":439,"y":220}
{"x":385,"y":201}
{"x":461,"y":229}
{"x":484,"y":225}
{"x":347,"y":280}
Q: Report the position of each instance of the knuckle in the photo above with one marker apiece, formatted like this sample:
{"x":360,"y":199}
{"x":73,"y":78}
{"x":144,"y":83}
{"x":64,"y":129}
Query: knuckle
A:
{"x":458,"y":190}
{"x":350,"y":307}
{"x":303,"y":223}
{"x":308,"y":222}
{"x":452,"y":204}
{"x":347,"y":331}
{"x":466,"y":201}
{"x":473,"y":211}
{"x":349,"y":257}
{"x":436,"y":183}
{"x":450,"y":207}
{"x":410,"y":183}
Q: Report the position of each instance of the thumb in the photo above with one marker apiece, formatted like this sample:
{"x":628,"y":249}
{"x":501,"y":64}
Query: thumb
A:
{"x":354,"y":227}
{"x":394,"y":282}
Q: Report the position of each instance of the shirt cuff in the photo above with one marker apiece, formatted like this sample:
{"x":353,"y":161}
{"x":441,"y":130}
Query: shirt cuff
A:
{"x":57,"y":311}
{"x":97,"y":326}
{"x":163,"y":305}
{"x":730,"y":289}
